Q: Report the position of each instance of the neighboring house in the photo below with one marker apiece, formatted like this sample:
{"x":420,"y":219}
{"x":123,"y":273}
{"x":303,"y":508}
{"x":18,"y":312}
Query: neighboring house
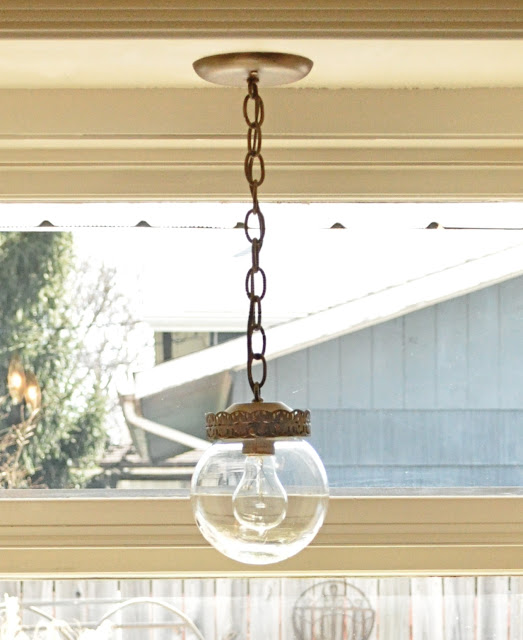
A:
{"x":414,"y":384}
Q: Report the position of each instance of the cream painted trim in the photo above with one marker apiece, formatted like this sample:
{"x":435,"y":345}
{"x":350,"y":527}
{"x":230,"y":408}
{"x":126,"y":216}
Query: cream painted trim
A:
{"x":286,"y":18}
{"x":375,"y":145}
{"x":156,"y":536}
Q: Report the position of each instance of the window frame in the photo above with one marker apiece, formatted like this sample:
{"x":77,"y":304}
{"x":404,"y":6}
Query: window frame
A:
{"x":124,"y":144}
{"x":153,"y":534}
{"x":99,"y":145}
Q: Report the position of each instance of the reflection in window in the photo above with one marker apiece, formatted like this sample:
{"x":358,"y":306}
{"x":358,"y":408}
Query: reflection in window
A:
{"x":277,"y":608}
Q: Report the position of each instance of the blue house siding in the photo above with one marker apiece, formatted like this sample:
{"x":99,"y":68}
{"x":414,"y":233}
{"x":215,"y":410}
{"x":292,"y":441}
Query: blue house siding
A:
{"x":420,"y":447}
{"x":433,"y":398}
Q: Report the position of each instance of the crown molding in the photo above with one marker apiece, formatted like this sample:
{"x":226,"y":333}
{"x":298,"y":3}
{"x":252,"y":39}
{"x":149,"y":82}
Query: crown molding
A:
{"x":239,"y":18}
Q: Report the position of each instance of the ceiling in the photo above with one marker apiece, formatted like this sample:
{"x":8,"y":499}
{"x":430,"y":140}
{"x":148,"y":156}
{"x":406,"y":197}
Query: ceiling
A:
{"x":338,"y":63}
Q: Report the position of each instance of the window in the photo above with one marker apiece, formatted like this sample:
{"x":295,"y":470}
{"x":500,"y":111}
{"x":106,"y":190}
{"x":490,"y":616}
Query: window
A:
{"x":97,"y":134}
{"x":415,"y":528}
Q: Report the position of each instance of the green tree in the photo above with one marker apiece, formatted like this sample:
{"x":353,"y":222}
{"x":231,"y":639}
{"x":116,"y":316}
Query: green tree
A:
{"x":38,"y":325}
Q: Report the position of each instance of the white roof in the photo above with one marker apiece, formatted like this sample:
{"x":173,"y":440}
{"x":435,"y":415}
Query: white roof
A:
{"x":334,"y":283}
{"x":194,"y":279}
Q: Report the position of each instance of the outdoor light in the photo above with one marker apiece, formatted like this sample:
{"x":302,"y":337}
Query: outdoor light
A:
{"x":260,"y":492}
{"x":33,"y":394}
{"x":22,"y":384}
{"x":16,"y":380}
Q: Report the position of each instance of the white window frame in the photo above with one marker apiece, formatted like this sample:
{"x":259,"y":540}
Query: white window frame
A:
{"x":107,"y":534}
{"x":96,"y":144}
{"x":103,"y":145}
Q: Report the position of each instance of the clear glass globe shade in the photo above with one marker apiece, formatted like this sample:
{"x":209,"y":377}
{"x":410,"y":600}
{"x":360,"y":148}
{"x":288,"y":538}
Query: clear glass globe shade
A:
{"x":260,"y":509}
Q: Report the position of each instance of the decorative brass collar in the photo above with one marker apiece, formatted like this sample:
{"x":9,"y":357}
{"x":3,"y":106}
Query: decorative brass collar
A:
{"x":258,"y":420}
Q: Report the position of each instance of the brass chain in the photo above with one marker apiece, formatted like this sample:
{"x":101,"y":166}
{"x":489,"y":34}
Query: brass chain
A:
{"x":256,"y":275}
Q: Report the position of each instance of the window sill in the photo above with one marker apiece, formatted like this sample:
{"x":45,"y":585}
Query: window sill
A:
{"x":67,"y":534}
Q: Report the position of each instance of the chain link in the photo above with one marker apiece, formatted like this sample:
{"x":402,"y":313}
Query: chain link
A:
{"x":255,"y":281}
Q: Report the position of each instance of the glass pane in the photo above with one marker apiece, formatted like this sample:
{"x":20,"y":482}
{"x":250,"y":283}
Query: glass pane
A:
{"x":330,"y":608}
{"x":405,"y":343}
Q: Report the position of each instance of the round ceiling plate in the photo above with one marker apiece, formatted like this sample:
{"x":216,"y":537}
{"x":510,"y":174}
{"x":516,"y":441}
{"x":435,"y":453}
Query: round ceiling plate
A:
{"x":272,"y":69}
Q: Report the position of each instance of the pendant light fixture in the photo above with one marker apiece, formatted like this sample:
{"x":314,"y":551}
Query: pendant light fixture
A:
{"x":260,"y":492}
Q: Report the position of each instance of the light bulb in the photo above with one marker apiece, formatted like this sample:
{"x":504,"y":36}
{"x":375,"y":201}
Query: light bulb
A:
{"x":31,"y":394}
{"x":16,"y":387}
{"x":260,"y":501}
{"x":16,"y":381}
